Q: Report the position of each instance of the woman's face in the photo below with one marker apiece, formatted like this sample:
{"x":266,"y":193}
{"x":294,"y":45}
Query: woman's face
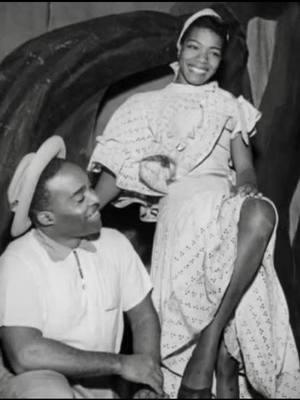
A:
{"x":199,"y":57}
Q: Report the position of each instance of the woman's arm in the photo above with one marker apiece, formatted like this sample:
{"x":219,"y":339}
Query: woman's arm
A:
{"x":246,"y":182}
{"x":106,"y":187}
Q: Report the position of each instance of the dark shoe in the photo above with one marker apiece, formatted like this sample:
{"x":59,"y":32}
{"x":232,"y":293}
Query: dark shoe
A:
{"x":189,"y":393}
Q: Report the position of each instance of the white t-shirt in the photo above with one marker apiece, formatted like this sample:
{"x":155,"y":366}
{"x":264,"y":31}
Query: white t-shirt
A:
{"x":41,"y":286}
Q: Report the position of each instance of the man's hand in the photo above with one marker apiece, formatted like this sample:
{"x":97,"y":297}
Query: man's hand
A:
{"x":141,"y":368}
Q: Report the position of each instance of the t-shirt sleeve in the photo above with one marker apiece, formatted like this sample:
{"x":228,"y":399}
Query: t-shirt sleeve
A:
{"x":20,"y":302}
{"x":135,"y":280}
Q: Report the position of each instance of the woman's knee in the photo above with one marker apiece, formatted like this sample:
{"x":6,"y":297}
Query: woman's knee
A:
{"x":260,"y":216}
{"x":40,"y":384}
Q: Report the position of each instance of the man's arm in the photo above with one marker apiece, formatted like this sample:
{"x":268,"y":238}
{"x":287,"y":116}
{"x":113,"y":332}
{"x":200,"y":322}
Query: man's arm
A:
{"x":27,"y":350}
{"x":146,"y":339}
{"x":145,"y":328}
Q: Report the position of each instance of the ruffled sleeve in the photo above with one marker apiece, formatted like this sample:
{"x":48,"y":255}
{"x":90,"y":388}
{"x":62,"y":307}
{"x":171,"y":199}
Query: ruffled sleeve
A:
{"x":111,"y":148}
{"x":125,"y":145}
{"x":246,"y":117}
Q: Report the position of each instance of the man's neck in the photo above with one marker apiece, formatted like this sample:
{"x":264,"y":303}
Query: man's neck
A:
{"x":71,"y":243}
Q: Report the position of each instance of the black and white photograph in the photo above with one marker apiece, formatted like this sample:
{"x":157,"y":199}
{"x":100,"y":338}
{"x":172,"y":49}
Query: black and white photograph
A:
{"x":150,"y":200}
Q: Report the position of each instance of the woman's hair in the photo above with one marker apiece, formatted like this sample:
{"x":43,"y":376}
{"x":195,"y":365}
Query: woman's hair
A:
{"x":208,"y":22}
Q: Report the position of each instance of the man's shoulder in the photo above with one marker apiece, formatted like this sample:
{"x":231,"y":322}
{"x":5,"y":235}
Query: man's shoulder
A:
{"x":115,"y":245}
{"x":17,"y":257}
{"x":107,"y":233}
{"x":20,"y":247}
{"x":110,"y":237}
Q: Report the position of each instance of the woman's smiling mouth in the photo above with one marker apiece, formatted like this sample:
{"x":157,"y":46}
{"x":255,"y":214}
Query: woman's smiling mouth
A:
{"x":198,"y":70}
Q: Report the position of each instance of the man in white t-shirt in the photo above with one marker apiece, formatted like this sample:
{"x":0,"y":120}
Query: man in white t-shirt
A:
{"x":63,"y":293}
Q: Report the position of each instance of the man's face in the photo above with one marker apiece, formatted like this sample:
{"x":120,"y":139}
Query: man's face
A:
{"x":74,"y":205}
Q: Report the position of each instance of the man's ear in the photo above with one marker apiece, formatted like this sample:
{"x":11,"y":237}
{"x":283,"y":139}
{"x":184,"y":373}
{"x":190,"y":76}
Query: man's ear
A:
{"x":45,"y":218}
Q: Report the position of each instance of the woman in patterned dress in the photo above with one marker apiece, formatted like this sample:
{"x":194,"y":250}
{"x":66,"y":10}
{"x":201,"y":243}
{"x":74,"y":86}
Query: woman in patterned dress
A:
{"x":184,"y":152}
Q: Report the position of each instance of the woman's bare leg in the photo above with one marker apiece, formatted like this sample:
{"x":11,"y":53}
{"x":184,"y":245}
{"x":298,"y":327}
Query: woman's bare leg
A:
{"x":256,"y":225}
{"x":227,"y":375}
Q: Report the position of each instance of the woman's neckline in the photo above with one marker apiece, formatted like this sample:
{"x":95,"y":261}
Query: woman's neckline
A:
{"x":181,"y":87}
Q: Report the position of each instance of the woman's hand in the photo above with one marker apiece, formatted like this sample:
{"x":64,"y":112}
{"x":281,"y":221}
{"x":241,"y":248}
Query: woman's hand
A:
{"x":248,"y":189}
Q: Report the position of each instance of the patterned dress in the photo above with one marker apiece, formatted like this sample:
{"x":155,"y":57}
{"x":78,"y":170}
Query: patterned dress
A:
{"x":170,"y":151}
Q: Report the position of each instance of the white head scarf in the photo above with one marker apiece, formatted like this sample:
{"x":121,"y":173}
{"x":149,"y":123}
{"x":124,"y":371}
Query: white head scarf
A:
{"x":206,"y":12}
